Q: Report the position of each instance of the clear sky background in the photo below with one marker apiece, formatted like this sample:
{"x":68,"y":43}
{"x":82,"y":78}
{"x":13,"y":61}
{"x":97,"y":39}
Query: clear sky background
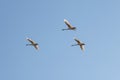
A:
{"x":98,"y":26}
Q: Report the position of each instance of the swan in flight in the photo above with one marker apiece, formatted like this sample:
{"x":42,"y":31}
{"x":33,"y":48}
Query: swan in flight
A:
{"x":79,"y":43}
{"x":32,"y":44}
{"x":70,"y":27}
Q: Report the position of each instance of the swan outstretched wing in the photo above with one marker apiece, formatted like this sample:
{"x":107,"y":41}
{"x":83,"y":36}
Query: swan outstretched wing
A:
{"x":78,"y":41}
{"x":67,"y":23}
{"x":31,"y":41}
{"x":82,"y":47}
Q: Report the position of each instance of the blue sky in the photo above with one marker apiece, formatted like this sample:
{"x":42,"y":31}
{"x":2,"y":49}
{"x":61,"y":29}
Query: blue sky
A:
{"x":98,"y":26}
